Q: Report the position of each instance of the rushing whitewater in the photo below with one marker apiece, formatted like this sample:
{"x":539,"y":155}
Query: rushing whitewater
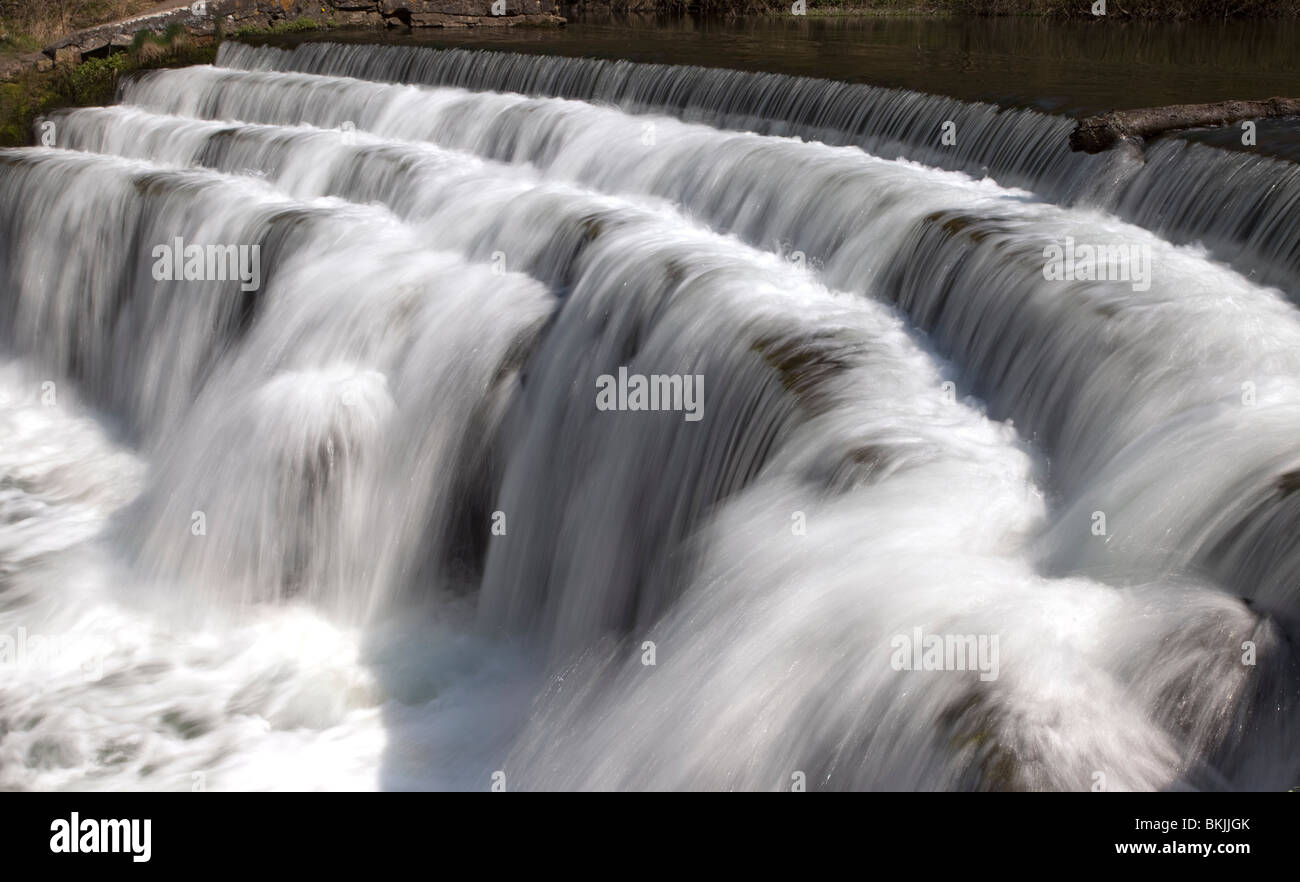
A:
{"x":366,"y":523}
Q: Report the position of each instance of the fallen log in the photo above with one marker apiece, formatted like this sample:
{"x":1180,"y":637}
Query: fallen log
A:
{"x":1094,"y":134}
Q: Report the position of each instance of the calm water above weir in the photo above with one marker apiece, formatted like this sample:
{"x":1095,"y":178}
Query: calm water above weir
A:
{"x":1071,"y":68}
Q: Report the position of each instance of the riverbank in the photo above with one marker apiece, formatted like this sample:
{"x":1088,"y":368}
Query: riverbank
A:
{"x":38,"y":34}
{"x":34,"y":92}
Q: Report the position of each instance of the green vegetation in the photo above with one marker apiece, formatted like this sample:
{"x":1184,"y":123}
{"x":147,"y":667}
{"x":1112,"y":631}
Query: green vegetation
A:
{"x":27,"y":25}
{"x":33,"y":94}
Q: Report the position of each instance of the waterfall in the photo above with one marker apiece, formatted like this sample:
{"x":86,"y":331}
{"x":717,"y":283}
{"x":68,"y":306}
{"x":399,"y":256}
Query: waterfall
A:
{"x":1239,"y":206}
{"x":357,"y":506}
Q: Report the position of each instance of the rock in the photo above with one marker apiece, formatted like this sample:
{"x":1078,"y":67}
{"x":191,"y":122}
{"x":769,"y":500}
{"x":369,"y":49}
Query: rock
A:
{"x":368,"y":17}
{"x":254,"y":20}
{"x":437,"y":20}
{"x":95,"y":42}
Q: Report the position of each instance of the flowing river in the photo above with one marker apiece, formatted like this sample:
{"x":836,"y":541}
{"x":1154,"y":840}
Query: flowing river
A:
{"x":353,"y":516}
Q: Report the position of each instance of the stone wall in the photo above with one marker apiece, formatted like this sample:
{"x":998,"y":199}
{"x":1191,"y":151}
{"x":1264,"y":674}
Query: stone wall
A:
{"x":204,"y":20}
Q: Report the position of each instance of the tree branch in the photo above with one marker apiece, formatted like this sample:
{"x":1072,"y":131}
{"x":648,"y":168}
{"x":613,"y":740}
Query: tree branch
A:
{"x":1097,"y":133}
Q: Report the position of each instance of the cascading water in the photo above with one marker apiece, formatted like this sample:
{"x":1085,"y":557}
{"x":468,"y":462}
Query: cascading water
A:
{"x":1241,"y":207}
{"x":362,"y":523}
